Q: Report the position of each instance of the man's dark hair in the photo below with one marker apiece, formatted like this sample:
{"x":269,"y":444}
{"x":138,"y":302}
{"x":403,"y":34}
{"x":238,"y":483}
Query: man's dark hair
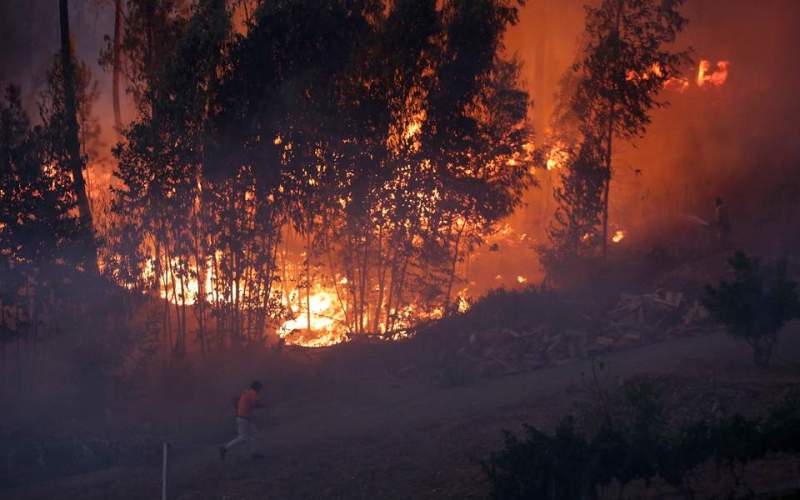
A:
{"x":718,"y":201}
{"x":256,"y":385}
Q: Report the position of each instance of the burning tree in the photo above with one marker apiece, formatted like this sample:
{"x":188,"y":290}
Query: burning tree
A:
{"x":65,"y":103}
{"x":388,"y":139}
{"x":573,"y":232}
{"x":625,"y":62}
{"x":166,"y":237}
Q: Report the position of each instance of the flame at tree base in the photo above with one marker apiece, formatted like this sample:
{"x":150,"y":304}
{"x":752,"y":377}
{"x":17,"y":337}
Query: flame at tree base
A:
{"x":324,"y":326}
{"x":328,"y":321}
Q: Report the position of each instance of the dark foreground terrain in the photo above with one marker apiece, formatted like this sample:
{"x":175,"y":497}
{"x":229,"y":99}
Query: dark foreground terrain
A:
{"x":381,"y":435}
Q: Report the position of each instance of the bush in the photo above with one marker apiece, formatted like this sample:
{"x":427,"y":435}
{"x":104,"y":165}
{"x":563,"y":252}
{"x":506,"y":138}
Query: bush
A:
{"x":635,"y":445}
{"x":542,"y":465}
{"x":571,"y":465}
{"x":755,"y":305}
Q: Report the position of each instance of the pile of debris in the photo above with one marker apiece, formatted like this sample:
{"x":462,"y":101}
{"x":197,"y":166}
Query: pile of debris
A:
{"x":636,"y":319}
{"x":655,"y":315}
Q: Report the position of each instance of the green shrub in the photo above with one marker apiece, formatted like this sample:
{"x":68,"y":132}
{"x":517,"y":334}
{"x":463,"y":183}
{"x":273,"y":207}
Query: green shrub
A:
{"x":781,"y":429}
{"x":541,"y":465}
{"x":636,"y":445}
{"x":626,"y":446}
{"x":755,"y":305}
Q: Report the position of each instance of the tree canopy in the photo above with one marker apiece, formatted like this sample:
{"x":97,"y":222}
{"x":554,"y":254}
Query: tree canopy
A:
{"x":389,"y":136}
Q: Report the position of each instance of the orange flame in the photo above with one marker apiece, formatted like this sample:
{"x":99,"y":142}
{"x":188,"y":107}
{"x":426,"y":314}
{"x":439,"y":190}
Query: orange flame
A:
{"x":325,"y":317}
{"x":705,"y":76}
{"x":678,"y":84}
{"x":715,"y":78}
{"x":557,"y":157}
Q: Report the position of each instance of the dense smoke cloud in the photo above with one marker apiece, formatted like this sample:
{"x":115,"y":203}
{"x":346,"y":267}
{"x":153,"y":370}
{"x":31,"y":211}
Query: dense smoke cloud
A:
{"x":31,"y":43}
{"x":737,"y":140}
{"x":31,"y":40}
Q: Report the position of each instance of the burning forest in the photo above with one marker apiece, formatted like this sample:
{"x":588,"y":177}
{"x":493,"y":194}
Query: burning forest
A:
{"x":364,"y":218}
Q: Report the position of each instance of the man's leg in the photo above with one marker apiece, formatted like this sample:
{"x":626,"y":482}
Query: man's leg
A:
{"x":248,"y":435}
{"x":242,"y":427}
{"x":251,"y":438}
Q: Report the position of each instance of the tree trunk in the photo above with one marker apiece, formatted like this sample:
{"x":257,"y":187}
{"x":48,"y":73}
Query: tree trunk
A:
{"x":116,"y":63}
{"x":607,"y":185}
{"x":376,"y":320}
{"x":363,"y":309}
{"x":308,"y":273}
{"x":452,"y":277}
{"x":73,"y":140}
{"x":610,"y":139}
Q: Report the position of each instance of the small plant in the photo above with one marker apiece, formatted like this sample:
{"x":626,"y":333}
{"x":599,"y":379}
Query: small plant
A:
{"x":755,"y":305}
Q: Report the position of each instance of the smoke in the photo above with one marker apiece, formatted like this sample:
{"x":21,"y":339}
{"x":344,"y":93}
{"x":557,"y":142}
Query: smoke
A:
{"x":32,"y":41}
{"x":738,"y":140}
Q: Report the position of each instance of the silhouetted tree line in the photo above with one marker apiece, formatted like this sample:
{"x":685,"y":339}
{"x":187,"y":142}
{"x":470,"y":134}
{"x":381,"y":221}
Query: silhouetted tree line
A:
{"x":388,"y":136}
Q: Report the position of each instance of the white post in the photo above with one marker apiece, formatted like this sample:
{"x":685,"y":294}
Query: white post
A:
{"x":164,"y":471}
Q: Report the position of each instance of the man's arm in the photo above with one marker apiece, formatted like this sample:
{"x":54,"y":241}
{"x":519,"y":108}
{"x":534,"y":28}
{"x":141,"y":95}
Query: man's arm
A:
{"x":257,"y":403}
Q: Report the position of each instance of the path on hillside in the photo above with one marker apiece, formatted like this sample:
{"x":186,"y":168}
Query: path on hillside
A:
{"x":403,"y":440}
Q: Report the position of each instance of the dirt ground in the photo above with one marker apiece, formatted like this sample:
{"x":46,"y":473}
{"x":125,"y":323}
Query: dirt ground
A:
{"x":382,"y":436}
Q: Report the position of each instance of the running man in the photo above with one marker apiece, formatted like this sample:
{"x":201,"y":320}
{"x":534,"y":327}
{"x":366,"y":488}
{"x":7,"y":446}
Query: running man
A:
{"x":248,"y":402}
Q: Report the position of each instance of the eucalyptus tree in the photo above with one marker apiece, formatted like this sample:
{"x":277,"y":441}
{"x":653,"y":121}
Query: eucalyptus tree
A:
{"x":627,"y":57}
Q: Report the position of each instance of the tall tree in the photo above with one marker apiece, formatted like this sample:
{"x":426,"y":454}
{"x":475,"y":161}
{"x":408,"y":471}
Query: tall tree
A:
{"x":75,"y":159}
{"x":626,"y":59}
{"x":117,"y":62}
{"x":163,"y":199}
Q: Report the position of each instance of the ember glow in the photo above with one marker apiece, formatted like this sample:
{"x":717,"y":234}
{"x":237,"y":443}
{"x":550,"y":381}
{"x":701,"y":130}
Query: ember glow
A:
{"x":618,"y":236}
{"x":557,"y":157}
{"x":677,"y":84}
{"x":653,"y":71}
{"x":716,"y":77}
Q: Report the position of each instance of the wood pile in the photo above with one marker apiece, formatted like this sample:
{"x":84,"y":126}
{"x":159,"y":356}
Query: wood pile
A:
{"x":637,"y":319}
